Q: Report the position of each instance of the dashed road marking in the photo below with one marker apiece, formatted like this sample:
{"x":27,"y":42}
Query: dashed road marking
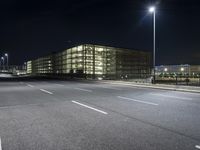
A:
{"x":83,"y":89}
{"x":139,"y":101}
{"x":103,"y":112}
{"x":43,"y":90}
{"x":59,"y":84}
{"x":0,"y":144}
{"x":30,"y":85}
{"x":197,"y":146}
{"x":112,"y":88}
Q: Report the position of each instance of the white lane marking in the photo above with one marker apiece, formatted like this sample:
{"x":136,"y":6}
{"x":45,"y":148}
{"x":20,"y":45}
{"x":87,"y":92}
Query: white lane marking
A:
{"x":197,"y":146}
{"x":83,"y":89}
{"x":112,"y":88}
{"x":46,"y":91}
{"x":144,"y":102}
{"x":30,"y":85}
{"x":0,"y":144}
{"x":59,"y":84}
{"x":103,"y":112}
{"x":170,"y":96}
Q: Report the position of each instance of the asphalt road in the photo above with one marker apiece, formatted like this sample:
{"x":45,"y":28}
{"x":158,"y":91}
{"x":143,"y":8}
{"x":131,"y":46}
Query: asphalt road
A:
{"x":77,"y":115}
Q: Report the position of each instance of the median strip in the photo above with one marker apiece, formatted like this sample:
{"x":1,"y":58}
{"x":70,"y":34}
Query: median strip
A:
{"x":92,"y":108}
{"x":46,"y":91}
{"x":139,"y":101}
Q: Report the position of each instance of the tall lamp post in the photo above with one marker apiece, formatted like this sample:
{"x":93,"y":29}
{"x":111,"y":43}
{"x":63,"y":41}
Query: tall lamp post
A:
{"x":2,"y":58}
{"x":152,"y":10}
{"x":6,"y":55}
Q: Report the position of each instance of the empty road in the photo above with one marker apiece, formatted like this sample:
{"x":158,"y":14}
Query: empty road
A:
{"x":78,"y":115}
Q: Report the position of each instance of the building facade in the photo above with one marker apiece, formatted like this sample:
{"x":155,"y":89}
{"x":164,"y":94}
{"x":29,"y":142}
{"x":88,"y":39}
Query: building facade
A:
{"x":94,"y":61}
{"x":178,"y":70}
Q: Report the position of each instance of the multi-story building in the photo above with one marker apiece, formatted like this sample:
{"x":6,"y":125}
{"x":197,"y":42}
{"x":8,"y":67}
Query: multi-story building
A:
{"x":178,"y":70}
{"x":29,"y":67}
{"x":94,"y":61}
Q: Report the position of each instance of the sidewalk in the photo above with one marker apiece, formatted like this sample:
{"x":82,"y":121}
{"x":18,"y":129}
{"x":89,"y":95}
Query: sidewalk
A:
{"x":193,"y":89}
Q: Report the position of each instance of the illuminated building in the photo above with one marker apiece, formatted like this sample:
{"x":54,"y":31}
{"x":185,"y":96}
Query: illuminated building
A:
{"x":185,"y":70}
{"x":93,"y":61}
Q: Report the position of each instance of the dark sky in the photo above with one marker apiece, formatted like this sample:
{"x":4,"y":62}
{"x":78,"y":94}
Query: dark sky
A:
{"x":33,"y":28}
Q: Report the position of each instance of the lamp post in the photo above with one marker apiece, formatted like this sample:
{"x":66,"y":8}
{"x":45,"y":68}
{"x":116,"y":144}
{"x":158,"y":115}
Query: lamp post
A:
{"x":25,"y":65}
{"x":2,"y":58}
{"x":6,"y":55}
{"x":152,"y":9}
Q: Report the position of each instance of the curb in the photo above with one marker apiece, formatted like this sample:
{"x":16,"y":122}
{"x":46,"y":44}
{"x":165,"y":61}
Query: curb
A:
{"x":154,"y":87}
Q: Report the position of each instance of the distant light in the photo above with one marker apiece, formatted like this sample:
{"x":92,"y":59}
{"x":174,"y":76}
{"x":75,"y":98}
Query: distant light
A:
{"x":2,"y":58}
{"x":182,"y":69}
{"x":152,"y":9}
{"x":165,"y":69}
{"x":6,"y":54}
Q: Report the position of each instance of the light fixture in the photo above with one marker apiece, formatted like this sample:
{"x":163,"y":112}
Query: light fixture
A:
{"x":152,"y":9}
{"x":182,"y":69}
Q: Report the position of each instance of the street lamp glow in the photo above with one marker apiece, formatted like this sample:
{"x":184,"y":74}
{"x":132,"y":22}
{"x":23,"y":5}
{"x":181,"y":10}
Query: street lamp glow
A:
{"x":182,"y":69}
{"x":152,"y":9}
{"x":2,"y":58}
{"x":6,"y":55}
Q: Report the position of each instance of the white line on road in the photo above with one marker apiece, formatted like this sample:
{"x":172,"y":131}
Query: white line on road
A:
{"x":83,"y":89}
{"x":59,"y":84}
{"x":0,"y":144}
{"x":46,"y":91}
{"x":30,"y":85}
{"x":112,"y":88}
{"x":170,"y":96}
{"x":126,"y":98}
{"x":103,"y":112}
{"x":197,"y":146}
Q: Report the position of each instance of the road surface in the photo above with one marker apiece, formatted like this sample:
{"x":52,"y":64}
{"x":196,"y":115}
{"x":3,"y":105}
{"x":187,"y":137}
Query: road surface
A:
{"x":77,"y":115}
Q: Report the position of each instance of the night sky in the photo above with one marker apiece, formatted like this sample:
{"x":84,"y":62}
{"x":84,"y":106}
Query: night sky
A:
{"x":33,"y":28}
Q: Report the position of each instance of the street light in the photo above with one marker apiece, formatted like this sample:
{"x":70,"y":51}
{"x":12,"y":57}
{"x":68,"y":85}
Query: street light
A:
{"x":152,"y":9}
{"x":6,"y":55}
{"x":2,"y":58}
{"x":182,"y":69}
